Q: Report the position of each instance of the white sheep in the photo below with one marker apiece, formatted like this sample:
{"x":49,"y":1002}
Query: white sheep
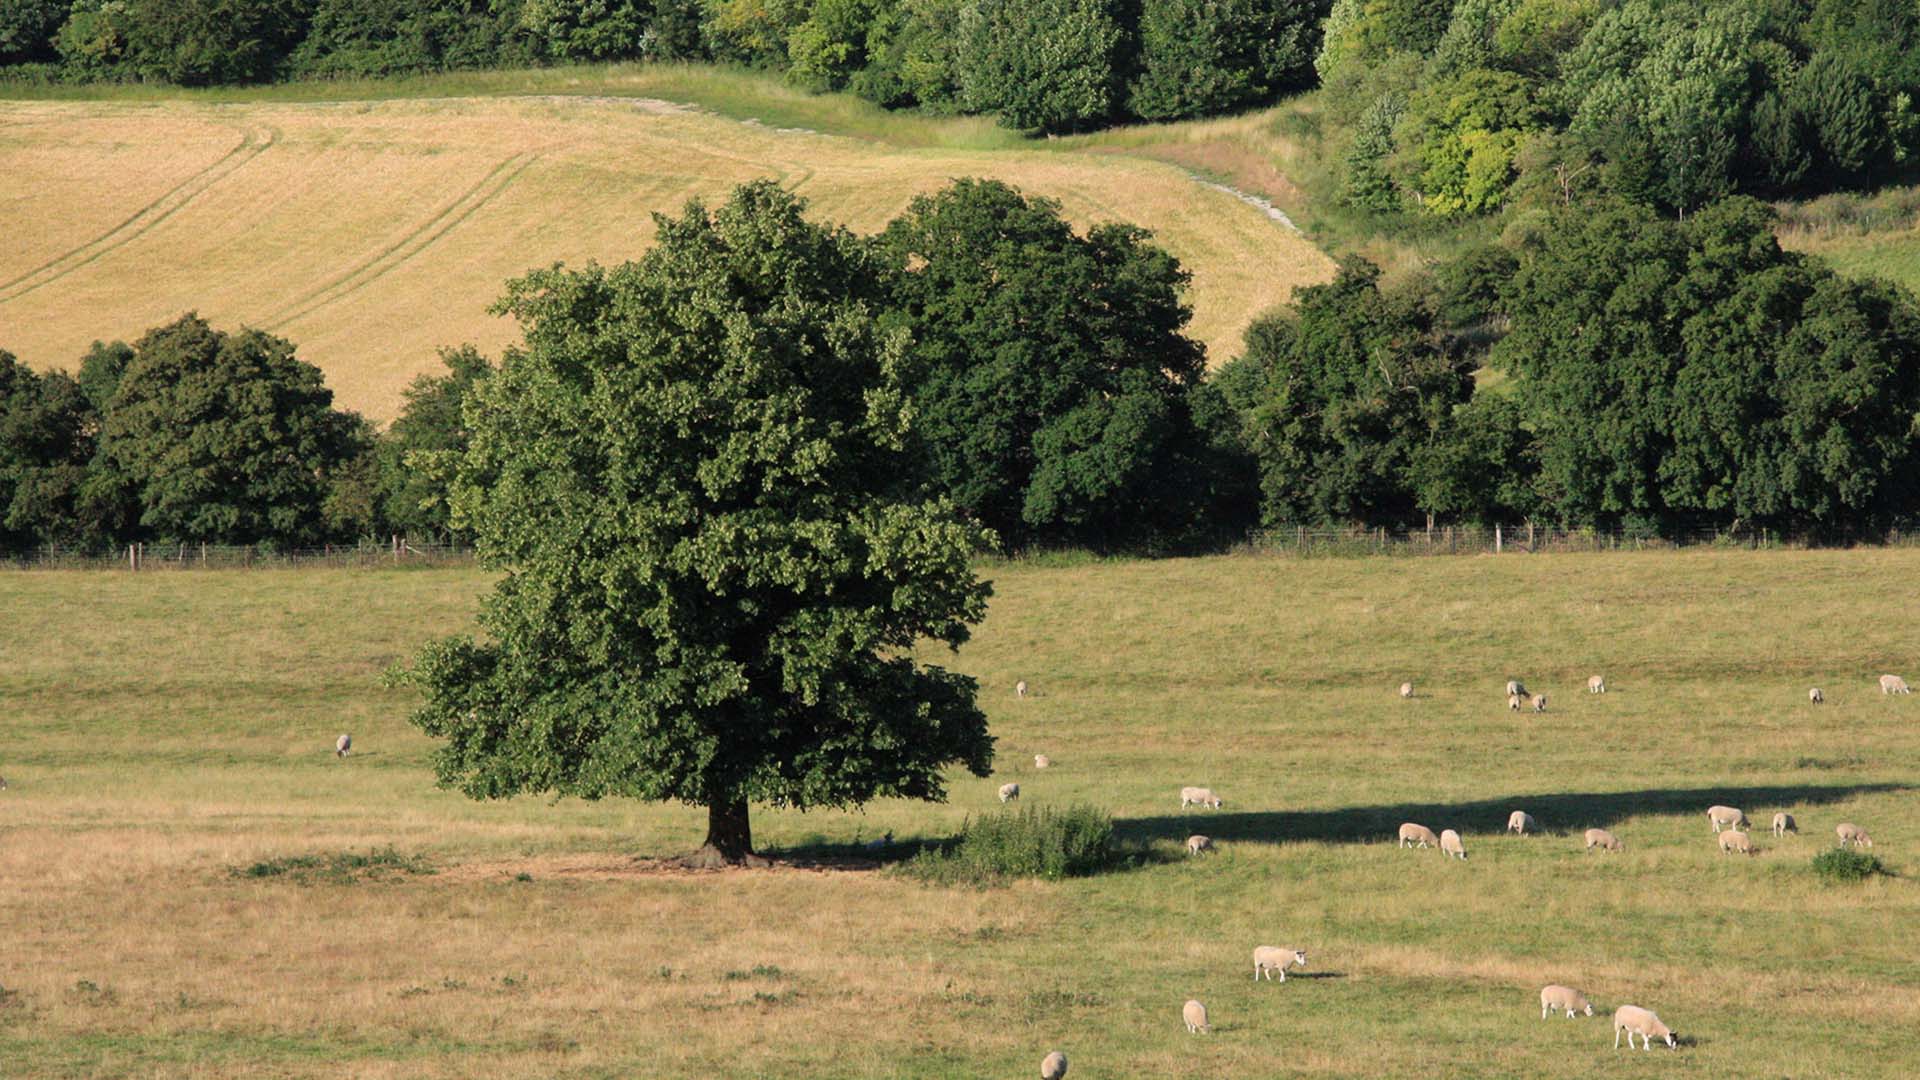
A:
{"x":1412,"y":835}
{"x":1513,"y":702}
{"x":1893,"y":684}
{"x":1195,"y":1014}
{"x":1539,"y":703}
{"x":1783,"y":824}
{"x":1198,"y":796}
{"x":1734,"y":840}
{"x":1721,"y":818}
{"x":1009,"y":791}
{"x":1596,"y":685}
{"x":1850,"y":833}
{"x":1197,"y":844}
{"x":1268,"y":959}
{"x":1020,"y":689}
{"x":1635,"y":1020}
{"x":1522,"y":822}
{"x":1601,"y":838}
{"x":1406,"y":689}
{"x":1816,"y":696}
{"x":342,"y":745}
{"x":3,"y":783}
{"x":1042,"y":761}
{"x":1451,"y":845}
{"x":1053,"y":1066}
{"x":1514,"y":687}
{"x":1564,"y":998}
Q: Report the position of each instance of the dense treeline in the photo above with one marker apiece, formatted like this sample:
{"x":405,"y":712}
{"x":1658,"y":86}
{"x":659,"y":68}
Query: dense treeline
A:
{"x":1658,"y":374}
{"x":1459,"y":107}
{"x":1052,"y":65}
{"x":1058,"y":401}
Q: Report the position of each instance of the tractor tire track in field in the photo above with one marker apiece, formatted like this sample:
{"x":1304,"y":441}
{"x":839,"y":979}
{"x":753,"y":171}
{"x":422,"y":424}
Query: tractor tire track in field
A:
{"x":417,"y":240}
{"x":253,"y":143}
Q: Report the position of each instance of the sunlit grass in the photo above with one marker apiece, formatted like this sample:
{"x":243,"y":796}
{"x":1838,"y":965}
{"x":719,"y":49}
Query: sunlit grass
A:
{"x":166,"y":732}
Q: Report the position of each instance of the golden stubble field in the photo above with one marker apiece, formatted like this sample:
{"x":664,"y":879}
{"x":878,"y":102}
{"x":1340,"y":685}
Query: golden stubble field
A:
{"x":168,"y":731}
{"x":373,"y":233}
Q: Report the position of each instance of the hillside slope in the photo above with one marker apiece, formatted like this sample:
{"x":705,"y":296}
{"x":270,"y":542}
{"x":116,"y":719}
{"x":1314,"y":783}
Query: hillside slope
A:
{"x":372,"y":233}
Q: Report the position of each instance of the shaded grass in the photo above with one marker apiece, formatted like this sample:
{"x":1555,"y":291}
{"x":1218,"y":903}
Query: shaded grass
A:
{"x":165,"y":728}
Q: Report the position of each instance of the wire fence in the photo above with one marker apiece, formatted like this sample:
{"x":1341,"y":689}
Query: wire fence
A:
{"x":398,"y":551}
{"x":1526,"y":539}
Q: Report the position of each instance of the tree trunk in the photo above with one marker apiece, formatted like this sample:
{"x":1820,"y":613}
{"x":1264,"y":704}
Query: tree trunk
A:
{"x":729,"y":837}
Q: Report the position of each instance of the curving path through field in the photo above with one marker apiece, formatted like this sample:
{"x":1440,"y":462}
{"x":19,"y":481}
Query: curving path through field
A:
{"x":374,"y":233}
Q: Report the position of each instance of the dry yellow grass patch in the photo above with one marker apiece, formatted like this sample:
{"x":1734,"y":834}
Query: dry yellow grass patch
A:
{"x":373,"y":233}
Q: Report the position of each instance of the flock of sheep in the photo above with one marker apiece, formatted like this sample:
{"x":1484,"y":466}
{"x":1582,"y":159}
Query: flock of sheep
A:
{"x":1729,"y":825}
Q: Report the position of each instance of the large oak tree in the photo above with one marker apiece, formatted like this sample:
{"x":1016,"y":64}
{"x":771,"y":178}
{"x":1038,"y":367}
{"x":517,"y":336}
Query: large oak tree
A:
{"x":709,"y":592}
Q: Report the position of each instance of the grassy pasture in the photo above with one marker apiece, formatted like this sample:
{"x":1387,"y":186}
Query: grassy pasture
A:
{"x":168,"y":732}
{"x":372,"y":232}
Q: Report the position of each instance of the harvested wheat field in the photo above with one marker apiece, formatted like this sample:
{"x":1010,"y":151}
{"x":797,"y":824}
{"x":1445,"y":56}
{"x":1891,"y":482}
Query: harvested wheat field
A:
{"x":193,"y":885}
{"x":373,"y":233}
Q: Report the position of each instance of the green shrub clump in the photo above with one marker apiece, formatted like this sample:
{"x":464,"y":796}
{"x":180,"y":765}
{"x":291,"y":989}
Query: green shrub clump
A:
{"x":1042,"y":842}
{"x":1840,"y":865}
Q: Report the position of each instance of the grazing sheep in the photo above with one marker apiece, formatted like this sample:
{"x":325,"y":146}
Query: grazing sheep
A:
{"x":1197,"y":844}
{"x":1564,"y":998}
{"x":1850,"y":833}
{"x":342,"y":745}
{"x":1042,"y":761}
{"x":1406,"y":689}
{"x":1020,"y":688}
{"x":1009,"y":791}
{"x":1816,"y":696}
{"x":1596,"y":685}
{"x":1268,"y":959}
{"x":1783,"y":824}
{"x":1601,"y":838}
{"x":1513,"y":702}
{"x":1195,"y":1014}
{"x":1635,"y":1020}
{"x":1522,"y":822}
{"x":1893,"y":684}
{"x":3,"y":783}
{"x":1734,"y":840}
{"x":1053,"y":1066}
{"x":1412,"y":835}
{"x":1450,"y":843}
{"x":1514,"y":687}
{"x":1721,"y":818}
{"x":1198,"y":796}
{"x":1539,"y":703}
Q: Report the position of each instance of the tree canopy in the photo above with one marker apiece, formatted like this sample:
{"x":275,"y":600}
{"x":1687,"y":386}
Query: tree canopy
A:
{"x":711,"y":585}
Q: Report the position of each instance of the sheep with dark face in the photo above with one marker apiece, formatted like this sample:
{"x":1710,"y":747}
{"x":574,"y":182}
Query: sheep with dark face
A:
{"x":1268,"y":959}
{"x":1054,"y":1067}
{"x":1564,"y":998}
{"x":1635,"y":1020}
{"x":1009,"y":792}
{"x":342,"y":746}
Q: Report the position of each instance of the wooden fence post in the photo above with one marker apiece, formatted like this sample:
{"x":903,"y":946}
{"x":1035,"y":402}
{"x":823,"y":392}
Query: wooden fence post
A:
{"x":1496,"y":540}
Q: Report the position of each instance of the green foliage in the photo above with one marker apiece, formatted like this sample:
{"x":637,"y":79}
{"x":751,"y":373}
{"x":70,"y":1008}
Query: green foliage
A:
{"x":210,"y":42}
{"x":418,"y":456}
{"x":1042,"y":65}
{"x":1337,"y":397}
{"x":1839,"y":866}
{"x":1198,"y":57}
{"x":1462,"y":135}
{"x":588,"y":29}
{"x":1689,"y":371}
{"x":46,"y":441}
{"x":28,"y":27}
{"x":830,"y":47}
{"x":751,"y":32}
{"x":92,"y":43}
{"x":224,"y":436}
{"x":1368,"y":184}
{"x":1050,"y":370}
{"x":1041,"y":842}
{"x":714,"y":599}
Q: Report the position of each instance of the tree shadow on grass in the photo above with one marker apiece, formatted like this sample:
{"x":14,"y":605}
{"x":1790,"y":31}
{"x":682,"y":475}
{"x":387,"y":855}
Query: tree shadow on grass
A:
{"x":1562,"y":813}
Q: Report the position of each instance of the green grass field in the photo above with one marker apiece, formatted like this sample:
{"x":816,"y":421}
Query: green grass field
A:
{"x":167,"y":731}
